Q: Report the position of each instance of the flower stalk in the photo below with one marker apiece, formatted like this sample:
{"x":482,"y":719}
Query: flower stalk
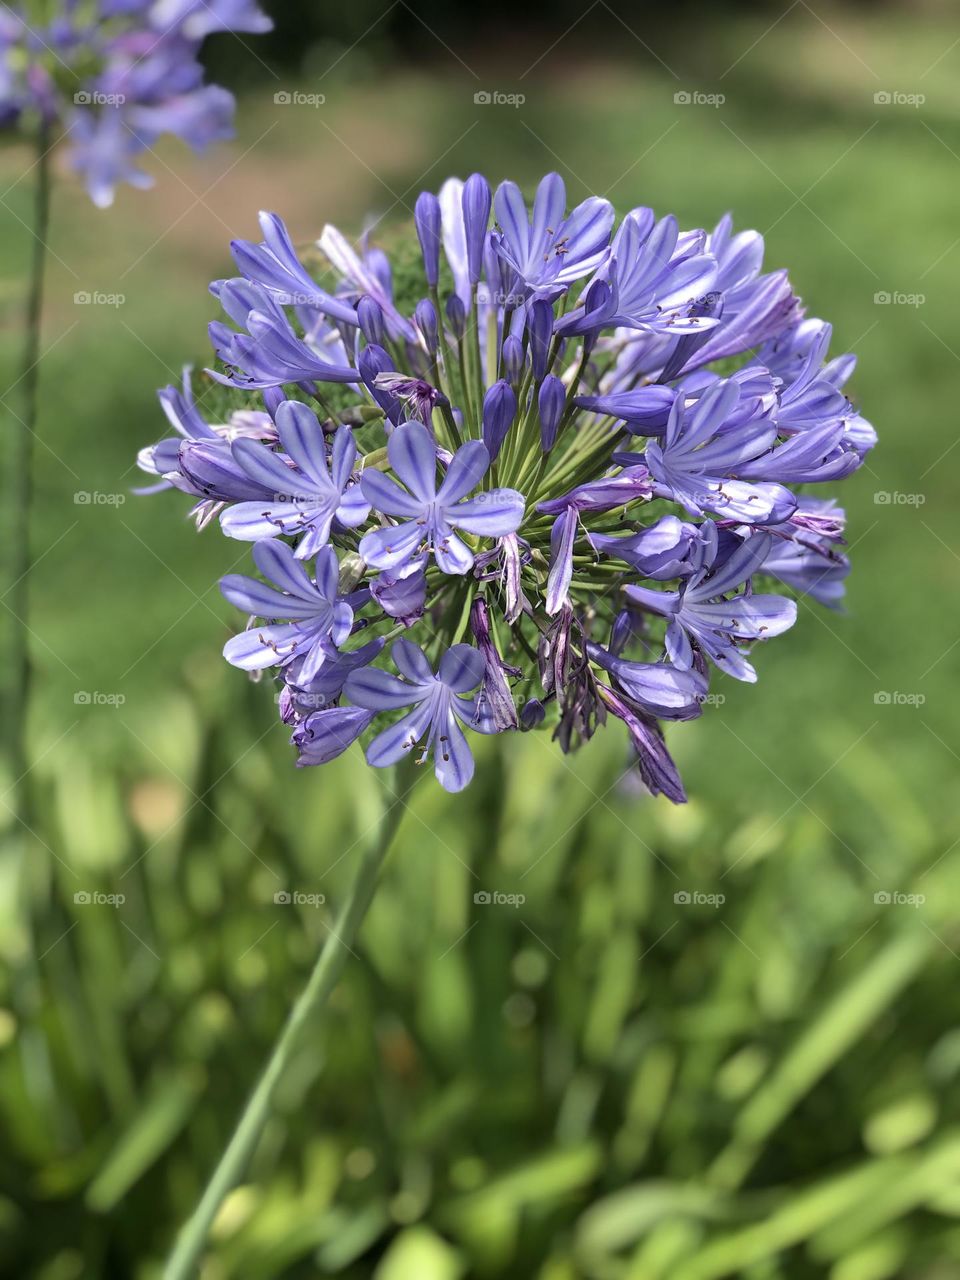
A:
{"x":20,"y":498}
{"x":184,"y":1260}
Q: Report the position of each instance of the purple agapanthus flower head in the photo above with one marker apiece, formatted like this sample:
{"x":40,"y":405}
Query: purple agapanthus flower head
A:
{"x":528,"y":501}
{"x":115,"y":76}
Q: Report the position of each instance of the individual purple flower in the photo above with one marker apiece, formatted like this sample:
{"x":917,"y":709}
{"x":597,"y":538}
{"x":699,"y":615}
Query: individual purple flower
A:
{"x":367,"y":275}
{"x":440,"y":706}
{"x":275,"y":265}
{"x":402,"y":593}
{"x":306,"y":497}
{"x":320,"y":617}
{"x":662,"y":551}
{"x":430,"y":515}
{"x":703,"y":612}
{"x":300,"y":697}
{"x":705,"y":446}
{"x":417,"y":396}
{"x":654,"y":277}
{"x":270,"y":353}
{"x":547,"y":249}
{"x":326,"y":734}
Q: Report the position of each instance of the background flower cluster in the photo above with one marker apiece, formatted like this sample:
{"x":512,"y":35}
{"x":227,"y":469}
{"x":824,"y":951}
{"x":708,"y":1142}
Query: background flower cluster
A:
{"x":115,"y":75}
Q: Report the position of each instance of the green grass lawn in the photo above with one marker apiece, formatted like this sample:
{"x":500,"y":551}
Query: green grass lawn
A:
{"x":603,"y":1083}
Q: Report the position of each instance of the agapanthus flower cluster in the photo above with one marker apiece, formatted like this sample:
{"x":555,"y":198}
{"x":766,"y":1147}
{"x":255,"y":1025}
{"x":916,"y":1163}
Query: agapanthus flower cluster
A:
{"x":560,"y":486}
{"x":115,"y":75}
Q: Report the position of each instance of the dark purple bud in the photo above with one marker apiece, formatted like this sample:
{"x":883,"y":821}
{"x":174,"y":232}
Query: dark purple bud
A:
{"x":426,"y":214}
{"x":457,"y":315}
{"x":499,"y":411}
{"x":539,"y":332}
{"x":373,"y":361}
{"x":551,"y":401}
{"x":513,"y":360}
{"x":370,"y":315}
{"x":532,"y":715}
{"x":273,"y":398}
{"x":476,"y":202}
{"x":426,"y":318}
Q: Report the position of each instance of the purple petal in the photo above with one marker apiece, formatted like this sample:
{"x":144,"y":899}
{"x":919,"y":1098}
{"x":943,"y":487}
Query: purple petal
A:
{"x":411,"y":661}
{"x":452,"y":758}
{"x":493,"y":514}
{"x":461,"y":668}
{"x":413,"y":455}
{"x":326,"y":734}
{"x":467,"y":468}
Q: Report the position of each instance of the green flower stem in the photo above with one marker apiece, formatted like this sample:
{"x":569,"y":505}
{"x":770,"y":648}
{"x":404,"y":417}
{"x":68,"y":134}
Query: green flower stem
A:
{"x":21,"y":486}
{"x":184,"y":1261}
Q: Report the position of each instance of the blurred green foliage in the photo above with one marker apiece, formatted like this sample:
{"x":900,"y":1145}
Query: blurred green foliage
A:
{"x":604,"y":1081}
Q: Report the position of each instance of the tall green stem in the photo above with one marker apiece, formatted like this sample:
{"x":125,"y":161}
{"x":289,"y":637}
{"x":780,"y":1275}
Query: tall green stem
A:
{"x":184,"y":1261}
{"x":21,"y":484}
